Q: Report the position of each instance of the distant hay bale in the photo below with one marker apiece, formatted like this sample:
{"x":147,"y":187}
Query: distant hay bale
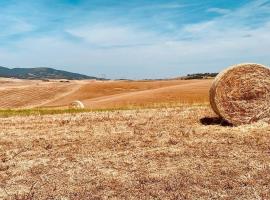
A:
{"x":76,"y":105}
{"x":241,"y":94}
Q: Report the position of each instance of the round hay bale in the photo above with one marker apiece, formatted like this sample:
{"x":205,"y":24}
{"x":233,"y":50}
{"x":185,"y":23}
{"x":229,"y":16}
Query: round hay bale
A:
{"x":76,"y":105}
{"x":241,"y":94}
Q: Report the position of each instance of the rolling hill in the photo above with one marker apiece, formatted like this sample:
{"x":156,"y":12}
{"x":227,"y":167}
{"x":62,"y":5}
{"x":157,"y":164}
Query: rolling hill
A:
{"x":19,"y":93}
{"x":41,"y":73}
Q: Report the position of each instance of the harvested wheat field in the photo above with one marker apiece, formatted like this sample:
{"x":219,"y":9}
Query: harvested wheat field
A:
{"x":28,"y":94}
{"x":122,"y":94}
{"x":101,"y":94}
{"x":164,"y":153}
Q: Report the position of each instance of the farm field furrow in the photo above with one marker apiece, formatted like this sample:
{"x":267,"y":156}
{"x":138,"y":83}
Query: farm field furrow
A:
{"x":189,"y":93}
{"x":101,"y":94}
{"x":30,"y":96}
{"x":101,"y":89}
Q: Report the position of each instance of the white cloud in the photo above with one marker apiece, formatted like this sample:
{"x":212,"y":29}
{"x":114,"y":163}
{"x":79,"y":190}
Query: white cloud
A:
{"x":220,"y":11}
{"x":164,"y":6}
{"x":13,"y":25}
{"x":232,"y":25}
{"x":108,"y":35}
{"x":211,"y":45}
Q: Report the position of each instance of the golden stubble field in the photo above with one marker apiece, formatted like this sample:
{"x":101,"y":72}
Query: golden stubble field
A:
{"x":57,"y":94}
{"x":178,"y":150}
{"x":162,"y":153}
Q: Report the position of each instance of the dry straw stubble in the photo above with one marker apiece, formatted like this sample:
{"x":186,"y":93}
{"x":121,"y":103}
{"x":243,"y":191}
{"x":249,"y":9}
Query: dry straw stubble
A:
{"x":241,"y":94}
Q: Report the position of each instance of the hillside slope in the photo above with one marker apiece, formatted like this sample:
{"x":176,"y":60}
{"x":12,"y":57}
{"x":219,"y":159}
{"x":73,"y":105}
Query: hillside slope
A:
{"x":120,"y":94}
{"x":190,"y":93}
{"x":18,"y":93}
{"x":41,"y":73}
{"x":32,"y":94}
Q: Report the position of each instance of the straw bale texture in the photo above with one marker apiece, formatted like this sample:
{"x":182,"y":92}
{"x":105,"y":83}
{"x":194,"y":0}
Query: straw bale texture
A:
{"x":241,"y":94}
{"x":77,"y":104}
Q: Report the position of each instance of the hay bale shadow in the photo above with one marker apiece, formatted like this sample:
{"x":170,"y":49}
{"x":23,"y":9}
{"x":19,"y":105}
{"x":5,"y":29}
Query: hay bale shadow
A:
{"x":215,"y":121}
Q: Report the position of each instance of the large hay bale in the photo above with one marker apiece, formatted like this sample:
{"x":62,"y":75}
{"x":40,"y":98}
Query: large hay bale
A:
{"x":76,"y":105}
{"x":241,"y":94}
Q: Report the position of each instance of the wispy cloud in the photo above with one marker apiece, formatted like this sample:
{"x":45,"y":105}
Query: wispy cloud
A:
{"x":135,"y":39}
{"x":221,"y":11}
{"x":113,"y":36}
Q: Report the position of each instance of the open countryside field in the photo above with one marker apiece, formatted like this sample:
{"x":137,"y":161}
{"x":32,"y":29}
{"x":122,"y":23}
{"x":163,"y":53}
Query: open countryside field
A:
{"x":177,"y":150}
{"x":101,"y":94}
{"x":162,"y":153}
{"x":134,"y":100}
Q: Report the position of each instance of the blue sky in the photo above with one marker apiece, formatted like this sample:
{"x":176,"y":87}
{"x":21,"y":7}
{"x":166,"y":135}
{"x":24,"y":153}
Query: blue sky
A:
{"x":134,"y":38}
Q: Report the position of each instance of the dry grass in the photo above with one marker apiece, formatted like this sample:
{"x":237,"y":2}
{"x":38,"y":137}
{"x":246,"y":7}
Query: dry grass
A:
{"x":100,"y":89}
{"x":28,"y":94}
{"x":241,"y":94}
{"x":133,"y":154}
{"x":171,"y":151}
{"x":192,"y":92}
{"x":101,"y":94}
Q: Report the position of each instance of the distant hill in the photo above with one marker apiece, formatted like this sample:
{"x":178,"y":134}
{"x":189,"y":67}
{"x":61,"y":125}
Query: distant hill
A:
{"x":198,"y":76}
{"x":41,"y":73}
